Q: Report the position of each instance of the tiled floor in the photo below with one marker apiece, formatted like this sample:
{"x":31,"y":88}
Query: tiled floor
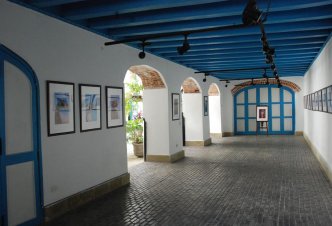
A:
{"x":241,"y":181}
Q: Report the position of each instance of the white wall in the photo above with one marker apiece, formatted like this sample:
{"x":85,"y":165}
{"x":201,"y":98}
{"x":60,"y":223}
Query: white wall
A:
{"x":228,"y":105}
{"x":192,"y":104}
{"x":62,"y":52}
{"x":215,"y":114}
{"x":157,"y":121}
{"x":318,"y":125}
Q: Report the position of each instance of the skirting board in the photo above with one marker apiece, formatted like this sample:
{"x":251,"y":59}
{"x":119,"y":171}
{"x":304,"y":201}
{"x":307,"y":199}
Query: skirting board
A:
{"x":227,"y":134}
{"x":166,"y":158}
{"x":323,"y":164}
{"x":299,"y":133}
{"x":72,"y":202}
{"x":216,"y":135}
{"x":199,"y":142}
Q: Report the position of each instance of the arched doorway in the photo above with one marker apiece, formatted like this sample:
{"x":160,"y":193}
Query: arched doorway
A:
{"x":195,"y":116}
{"x":281,"y":108}
{"x":20,"y":174}
{"x":154,"y":108}
{"x":215,"y":112}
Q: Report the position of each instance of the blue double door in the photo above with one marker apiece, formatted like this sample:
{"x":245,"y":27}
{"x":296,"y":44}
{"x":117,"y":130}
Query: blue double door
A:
{"x":20,"y":172}
{"x":281,"y":110}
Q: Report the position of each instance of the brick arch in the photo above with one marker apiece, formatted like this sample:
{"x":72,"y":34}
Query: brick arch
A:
{"x":286,"y":83}
{"x":151,"y":78}
{"x":190,"y":85}
{"x":214,"y":90}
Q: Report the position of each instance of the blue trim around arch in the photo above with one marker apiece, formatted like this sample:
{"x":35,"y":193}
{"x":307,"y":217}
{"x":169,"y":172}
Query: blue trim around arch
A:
{"x":281,"y":102}
{"x":35,"y":154}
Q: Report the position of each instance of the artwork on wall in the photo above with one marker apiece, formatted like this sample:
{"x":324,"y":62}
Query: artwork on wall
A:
{"x":324,"y":100}
{"x":60,"y":108}
{"x":329,"y":99}
{"x":206,"y":105}
{"x":114,"y":106}
{"x":319,"y":100}
{"x":305,"y":102}
{"x":262,"y":114}
{"x":175,"y":106}
{"x":90,"y":108}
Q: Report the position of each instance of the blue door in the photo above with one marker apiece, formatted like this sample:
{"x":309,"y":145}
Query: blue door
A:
{"x":281,"y":103}
{"x":20,"y":174}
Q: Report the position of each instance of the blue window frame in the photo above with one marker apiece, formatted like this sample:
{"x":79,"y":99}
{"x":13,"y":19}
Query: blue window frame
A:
{"x":281,"y":103}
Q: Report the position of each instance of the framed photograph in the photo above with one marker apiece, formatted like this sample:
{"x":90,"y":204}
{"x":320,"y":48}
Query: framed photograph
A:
{"x":319,"y":98}
{"x":175,"y":106}
{"x":305,"y":102}
{"x":90,"y":108}
{"x":206,"y":105}
{"x":324,"y":99}
{"x":315,"y":107}
{"x":329,"y":99}
{"x":262,"y":114}
{"x":312,"y":98}
{"x":310,"y":103}
{"x":114,"y":106}
{"x":60,"y":108}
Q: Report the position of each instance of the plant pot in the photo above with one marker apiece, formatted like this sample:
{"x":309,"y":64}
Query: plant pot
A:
{"x":138,"y":149}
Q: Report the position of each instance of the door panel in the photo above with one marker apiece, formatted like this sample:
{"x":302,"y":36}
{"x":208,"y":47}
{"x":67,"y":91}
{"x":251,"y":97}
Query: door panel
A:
{"x":18,"y":110}
{"x":19,"y":169}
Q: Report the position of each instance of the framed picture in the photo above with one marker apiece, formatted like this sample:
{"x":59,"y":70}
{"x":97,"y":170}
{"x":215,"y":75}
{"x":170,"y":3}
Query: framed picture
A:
{"x":319,"y":99}
{"x":60,"y":107}
{"x":114,"y":106}
{"x":262,"y":114}
{"x":90,"y":108}
{"x":206,"y":105}
{"x":315,"y":96}
{"x":312,"y":101}
{"x":305,"y":102}
{"x":324,"y":99}
{"x":329,"y":99}
{"x":175,"y":106}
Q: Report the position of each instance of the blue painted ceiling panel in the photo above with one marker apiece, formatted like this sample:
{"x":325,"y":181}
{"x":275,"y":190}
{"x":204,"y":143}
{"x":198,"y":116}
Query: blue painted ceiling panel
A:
{"x":297,"y":29}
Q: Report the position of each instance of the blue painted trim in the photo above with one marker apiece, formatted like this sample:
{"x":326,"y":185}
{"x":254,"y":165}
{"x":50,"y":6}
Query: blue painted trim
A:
{"x":281,"y":116}
{"x":319,"y":52}
{"x":14,"y":59}
{"x":19,"y":158}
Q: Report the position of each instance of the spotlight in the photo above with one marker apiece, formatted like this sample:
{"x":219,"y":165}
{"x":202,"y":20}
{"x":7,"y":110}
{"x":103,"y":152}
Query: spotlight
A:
{"x":252,"y":82}
{"x":267,"y":81}
{"x":275,"y":73}
{"x":264,"y":74}
{"x":141,"y":54}
{"x":265,"y":47}
{"x":271,"y":51}
{"x":263,"y":38}
{"x":204,"y":79}
{"x":251,"y":14}
{"x":185,"y":46}
{"x":279,"y":85}
{"x":273,"y":66}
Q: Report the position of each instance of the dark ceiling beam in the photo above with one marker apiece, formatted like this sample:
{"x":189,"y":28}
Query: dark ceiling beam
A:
{"x":120,"y":7}
{"x":50,"y":3}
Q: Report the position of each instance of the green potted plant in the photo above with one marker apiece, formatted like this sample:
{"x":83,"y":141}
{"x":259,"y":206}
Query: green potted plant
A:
{"x":135,"y":135}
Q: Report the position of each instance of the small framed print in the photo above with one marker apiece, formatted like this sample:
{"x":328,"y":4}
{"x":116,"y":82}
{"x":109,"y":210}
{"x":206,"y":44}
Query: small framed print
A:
{"x":319,"y":100}
{"x":206,"y":105}
{"x":262,"y":114}
{"x":312,"y":101}
{"x":324,"y":99}
{"x":175,"y":106}
{"x":114,"y":106}
{"x":329,"y":99}
{"x":60,"y":107}
{"x":305,"y":102}
{"x":90,"y":107}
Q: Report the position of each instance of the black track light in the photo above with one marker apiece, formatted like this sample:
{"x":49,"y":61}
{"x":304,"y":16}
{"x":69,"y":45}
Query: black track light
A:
{"x":204,"y":79}
{"x":185,"y":46}
{"x":273,"y":67}
{"x":279,"y":85}
{"x":269,"y":59}
{"x":264,"y":74}
{"x":271,"y":51}
{"x":275,"y":73}
{"x":252,"y":82}
{"x":141,"y":54}
{"x":251,"y":14}
{"x":266,"y":47}
{"x":267,"y":81}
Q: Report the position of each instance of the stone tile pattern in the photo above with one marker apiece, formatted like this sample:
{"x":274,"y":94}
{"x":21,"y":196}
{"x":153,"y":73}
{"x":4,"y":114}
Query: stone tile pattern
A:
{"x":241,"y":181}
{"x":243,"y":85}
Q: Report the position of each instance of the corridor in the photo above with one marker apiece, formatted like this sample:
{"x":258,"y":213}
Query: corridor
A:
{"x":251,"y":180}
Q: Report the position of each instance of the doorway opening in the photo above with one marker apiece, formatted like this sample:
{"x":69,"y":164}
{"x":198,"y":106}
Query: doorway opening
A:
{"x":215,"y":113}
{"x":145,"y":92}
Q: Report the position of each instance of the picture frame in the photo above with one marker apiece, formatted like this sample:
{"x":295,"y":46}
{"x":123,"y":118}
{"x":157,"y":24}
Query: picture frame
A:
{"x":312,"y":95}
{"x":206,"y":105}
{"x":90,"y":107}
{"x":324,"y":99}
{"x":262,"y":113}
{"x":329,"y":99}
{"x":305,"y":102}
{"x":175,"y":106}
{"x":114,"y":106}
{"x":60,"y":107}
{"x":319,"y":100}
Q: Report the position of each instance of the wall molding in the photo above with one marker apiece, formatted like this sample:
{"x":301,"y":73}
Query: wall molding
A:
{"x":166,"y":158}
{"x":323,"y":164}
{"x":63,"y":206}
{"x":200,"y":143}
{"x":227,"y":134}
